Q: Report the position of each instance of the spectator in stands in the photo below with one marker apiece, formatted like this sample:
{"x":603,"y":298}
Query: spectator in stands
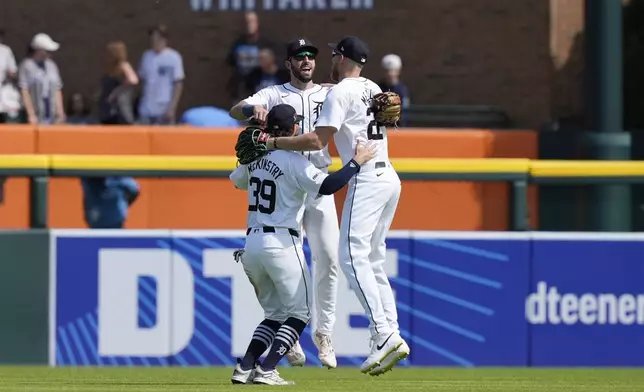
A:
{"x":106,"y":201}
{"x":267,"y":74}
{"x":40,"y":82}
{"x":78,"y":110}
{"x":9,"y":94}
{"x":161,"y":70}
{"x":392,"y":65}
{"x":116,"y":100}
{"x":243,"y":56}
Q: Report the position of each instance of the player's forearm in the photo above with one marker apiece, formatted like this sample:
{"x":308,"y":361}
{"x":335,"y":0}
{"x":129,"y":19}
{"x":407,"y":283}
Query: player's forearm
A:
{"x":335,"y":181}
{"x":307,"y":142}
{"x":241,"y":111}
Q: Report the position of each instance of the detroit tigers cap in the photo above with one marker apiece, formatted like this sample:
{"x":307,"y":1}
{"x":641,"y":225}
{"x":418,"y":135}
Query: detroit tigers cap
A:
{"x":282,"y":117}
{"x":299,"y":45}
{"x":353,"y":48}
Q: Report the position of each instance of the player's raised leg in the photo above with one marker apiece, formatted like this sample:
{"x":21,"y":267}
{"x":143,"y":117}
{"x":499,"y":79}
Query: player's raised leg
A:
{"x":361,"y":213}
{"x":290,"y":274}
{"x":321,"y":225}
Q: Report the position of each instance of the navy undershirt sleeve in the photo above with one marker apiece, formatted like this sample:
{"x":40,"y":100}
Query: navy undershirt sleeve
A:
{"x":335,"y":181}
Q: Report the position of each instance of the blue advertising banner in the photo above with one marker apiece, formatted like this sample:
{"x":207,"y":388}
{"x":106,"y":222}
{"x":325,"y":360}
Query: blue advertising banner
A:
{"x":157,"y":298}
{"x":586,"y":306}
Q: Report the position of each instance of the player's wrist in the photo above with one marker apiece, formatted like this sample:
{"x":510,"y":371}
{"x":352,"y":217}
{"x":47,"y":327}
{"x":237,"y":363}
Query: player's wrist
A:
{"x":271,"y":143}
{"x":248,"y":111}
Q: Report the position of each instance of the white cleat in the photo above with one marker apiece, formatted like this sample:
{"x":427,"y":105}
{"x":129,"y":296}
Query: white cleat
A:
{"x":242,"y":376}
{"x":380,"y":349}
{"x":326,"y":354}
{"x":295,"y":356}
{"x":391,"y":360}
{"x":271,"y":377}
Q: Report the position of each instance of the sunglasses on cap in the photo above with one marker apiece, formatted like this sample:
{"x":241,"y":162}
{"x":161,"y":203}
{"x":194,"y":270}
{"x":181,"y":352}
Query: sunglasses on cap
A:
{"x":301,"y":56}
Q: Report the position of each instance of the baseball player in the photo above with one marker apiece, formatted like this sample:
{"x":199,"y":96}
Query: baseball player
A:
{"x":320,"y":217}
{"x":277,"y":184}
{"x":354,"y":110}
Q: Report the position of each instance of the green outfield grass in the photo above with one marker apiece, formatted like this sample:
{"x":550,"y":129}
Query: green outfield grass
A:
{"x":315,"y":379}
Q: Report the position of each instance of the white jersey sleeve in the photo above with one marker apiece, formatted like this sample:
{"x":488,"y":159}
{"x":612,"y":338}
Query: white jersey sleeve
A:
{"x":239,"y":177}
{"x":306,"y":176}
{"x":333,"y":111}
{"x":265,"y":97}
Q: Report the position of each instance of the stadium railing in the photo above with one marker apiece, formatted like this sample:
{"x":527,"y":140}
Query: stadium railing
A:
{"x":517,"y":172}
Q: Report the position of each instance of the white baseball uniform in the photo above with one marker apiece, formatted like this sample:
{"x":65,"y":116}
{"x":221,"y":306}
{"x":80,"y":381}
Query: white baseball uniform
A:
{"x":370,"y":203}
{"x":320,"y":216}
{"x":277,"y":185}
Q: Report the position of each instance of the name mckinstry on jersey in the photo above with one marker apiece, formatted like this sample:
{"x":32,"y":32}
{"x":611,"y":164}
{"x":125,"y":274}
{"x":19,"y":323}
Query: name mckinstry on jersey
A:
{"x":277,"y":186}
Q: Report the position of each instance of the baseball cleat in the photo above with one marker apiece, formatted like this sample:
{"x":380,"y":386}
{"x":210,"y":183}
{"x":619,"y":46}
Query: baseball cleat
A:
{"x":380,"y":349}
{"x":271,"y":377}
{"x":326,"y":354}
{"x":295,"y":356}
{"x":391,"y":360}
{"x":241,"y":376}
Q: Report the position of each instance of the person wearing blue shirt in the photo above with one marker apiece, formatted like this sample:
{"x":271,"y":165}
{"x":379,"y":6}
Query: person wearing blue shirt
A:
{"x":106,"y":200}
{"x":392,"y":65}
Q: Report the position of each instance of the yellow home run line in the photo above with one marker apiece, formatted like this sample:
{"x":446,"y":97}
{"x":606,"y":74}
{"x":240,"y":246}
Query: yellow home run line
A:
{"x":537,"y":168}
{"x":556,"y":168}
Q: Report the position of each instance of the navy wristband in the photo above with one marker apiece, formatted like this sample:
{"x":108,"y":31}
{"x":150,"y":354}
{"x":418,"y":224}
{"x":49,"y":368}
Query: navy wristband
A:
{"x":248,"y":110}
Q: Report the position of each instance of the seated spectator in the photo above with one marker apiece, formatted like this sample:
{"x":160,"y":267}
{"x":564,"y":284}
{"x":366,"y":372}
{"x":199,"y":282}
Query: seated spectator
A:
{"x":106,"y":201}
{"x":40,"y":82}
{"x":243,"y":56}
{"x":267,"y":74}
{"x":116,"y":101}
{"x":392,"y":65}
{"x":9,"y":94}
{"x":78,"y":110}
{"x":161,"y":70}
{"x":208,"y":116}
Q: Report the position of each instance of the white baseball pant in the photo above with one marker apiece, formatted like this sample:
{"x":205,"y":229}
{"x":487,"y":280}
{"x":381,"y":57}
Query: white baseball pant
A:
{"x":369,"y":209}
{"x":275,"y":266}
{"x":321,"y":226}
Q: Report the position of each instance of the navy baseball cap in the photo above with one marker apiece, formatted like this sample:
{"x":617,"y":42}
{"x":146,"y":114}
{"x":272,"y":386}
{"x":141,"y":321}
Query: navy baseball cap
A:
{"x":282,"y":117}
{"x":300,"y":45}
{"x":353,"y":48}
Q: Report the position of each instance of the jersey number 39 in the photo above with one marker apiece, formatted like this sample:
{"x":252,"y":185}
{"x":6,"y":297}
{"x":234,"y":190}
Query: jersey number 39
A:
{"x":263,"y":192}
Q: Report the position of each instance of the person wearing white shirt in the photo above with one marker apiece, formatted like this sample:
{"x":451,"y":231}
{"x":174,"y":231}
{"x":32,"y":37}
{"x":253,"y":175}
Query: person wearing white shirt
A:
{"x":9,"y":95}
{"x":320,"y":216}
{"x":162,"y":72}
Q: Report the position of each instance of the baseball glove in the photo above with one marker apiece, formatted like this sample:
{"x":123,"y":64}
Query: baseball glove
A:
{"x":251,"y":145}
{"x":386,"y":108}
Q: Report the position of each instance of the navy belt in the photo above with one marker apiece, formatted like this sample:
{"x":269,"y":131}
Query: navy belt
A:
{"x":271,"y":229}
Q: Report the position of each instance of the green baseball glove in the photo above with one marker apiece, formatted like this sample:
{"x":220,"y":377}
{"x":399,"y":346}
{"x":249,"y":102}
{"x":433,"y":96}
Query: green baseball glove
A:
{"x":251,"y":145}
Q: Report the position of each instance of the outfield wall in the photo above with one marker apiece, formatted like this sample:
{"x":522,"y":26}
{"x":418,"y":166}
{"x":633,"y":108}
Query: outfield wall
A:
{"x":158,"y":298}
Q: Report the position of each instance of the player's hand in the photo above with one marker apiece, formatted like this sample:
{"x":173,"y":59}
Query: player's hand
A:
{"x":259,"y":114}
{"x":365,"y":152}
{"x":238,"y":254}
